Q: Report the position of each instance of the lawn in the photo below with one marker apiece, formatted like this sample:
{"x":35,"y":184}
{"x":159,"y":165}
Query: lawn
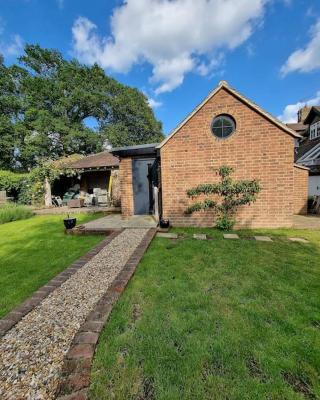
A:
{"x":32,"y":252}
{"x":221,"y":319}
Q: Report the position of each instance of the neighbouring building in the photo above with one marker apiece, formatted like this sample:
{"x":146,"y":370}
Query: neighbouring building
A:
{"x":308,"y":148}
{"x":225,"y":129}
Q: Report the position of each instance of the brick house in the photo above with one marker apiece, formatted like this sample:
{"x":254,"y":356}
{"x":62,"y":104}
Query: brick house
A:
{"x":308,"y":148}
{"x":225,"y":129}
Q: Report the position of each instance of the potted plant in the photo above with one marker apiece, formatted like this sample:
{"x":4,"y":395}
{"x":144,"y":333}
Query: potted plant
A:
{"x":164,"y":223}
{"x":70,"y":223}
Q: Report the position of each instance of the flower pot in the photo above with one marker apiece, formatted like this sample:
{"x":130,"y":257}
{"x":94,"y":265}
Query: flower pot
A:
{"x":164,"y":223}
{"x":70,"y":223}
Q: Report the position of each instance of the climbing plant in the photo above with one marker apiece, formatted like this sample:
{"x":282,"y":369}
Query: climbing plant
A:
{"x":29,"y":188}
{"x":228,"y":196}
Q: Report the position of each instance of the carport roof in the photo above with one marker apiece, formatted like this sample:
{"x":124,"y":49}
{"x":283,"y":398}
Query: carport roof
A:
{"x":99,"y":160}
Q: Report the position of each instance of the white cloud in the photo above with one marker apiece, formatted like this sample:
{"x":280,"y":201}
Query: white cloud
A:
{"x":154,"y":103}
{"x":174,"y":36}
{"x":306,"y":59}
{"x":289,"y":113}
{"x":14,"y":47}
{"x":11,"y":47}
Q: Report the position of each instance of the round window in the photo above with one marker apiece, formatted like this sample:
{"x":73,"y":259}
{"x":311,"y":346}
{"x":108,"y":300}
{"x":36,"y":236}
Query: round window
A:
{"x":223,"y":126}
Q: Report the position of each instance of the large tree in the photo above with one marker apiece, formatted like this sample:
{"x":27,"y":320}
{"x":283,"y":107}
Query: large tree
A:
{"x":46,"y":101}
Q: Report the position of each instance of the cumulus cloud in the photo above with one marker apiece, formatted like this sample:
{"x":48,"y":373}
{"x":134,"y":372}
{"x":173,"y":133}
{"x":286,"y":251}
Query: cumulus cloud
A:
{"x":11,"y":47}
{"x":306,"y":59}
{"x":174,"y":36}
{"x":154,"y":103}
{"x":289,"y":113}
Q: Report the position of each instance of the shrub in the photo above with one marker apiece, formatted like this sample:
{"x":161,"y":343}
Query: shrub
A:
{"x":225,"y":223}
{"x":14,"y":183}
{"x":12,"y":212}
{"x":233,"y":194}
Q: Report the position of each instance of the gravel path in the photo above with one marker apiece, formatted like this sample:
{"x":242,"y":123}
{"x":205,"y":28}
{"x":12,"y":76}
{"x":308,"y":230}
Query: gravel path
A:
{"x":31,"y":353}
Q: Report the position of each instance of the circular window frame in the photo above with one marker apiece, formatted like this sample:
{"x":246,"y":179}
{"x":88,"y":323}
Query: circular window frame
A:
{"x":228,"y":116}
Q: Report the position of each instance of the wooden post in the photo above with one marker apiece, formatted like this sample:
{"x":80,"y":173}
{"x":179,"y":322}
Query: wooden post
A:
{"x":47,"y":194}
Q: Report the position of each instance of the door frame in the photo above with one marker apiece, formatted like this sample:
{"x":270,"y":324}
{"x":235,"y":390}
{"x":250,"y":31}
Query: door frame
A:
{"x":150,"y":186}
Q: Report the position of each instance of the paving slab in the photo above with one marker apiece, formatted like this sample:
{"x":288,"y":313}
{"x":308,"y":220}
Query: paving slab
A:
{"x":200,"y":236}
{"x":297,"y":239}
{"x":263,"y":238}
{"x":230,"y":236}
{"x":167,"y":235}
{"x":115,"y":221}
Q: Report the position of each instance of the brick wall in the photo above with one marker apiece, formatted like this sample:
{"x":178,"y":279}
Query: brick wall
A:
{"x":257,"y":150}
{"x":301,"y":179}
{"x":125,"y":176}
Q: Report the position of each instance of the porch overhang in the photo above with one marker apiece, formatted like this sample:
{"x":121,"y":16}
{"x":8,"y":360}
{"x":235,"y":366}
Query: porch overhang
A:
{"x":144,"y":150}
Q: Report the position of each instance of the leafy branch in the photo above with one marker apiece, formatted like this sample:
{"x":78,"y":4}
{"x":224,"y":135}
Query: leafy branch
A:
{"x":234,"y":194}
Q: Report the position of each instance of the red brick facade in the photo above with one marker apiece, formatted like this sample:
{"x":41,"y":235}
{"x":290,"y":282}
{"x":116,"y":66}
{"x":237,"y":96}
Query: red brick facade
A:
{"x":301,"y":179}
{"x":260,"y":148}
{"x":126,"y":189}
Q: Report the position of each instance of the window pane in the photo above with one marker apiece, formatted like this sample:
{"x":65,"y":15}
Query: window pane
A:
{"x":223,"y":126}
{"x":227,"y":122}
{"x":217,"y":132}
{"x":227,"y":131}
{"x":217,"y":123}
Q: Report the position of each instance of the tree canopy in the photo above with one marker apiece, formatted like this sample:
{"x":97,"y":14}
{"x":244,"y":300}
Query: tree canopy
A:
{"x":46,"y":100}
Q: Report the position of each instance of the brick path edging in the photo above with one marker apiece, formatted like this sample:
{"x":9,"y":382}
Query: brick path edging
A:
{"x":14,"y":316}
{"x":76,"y":371}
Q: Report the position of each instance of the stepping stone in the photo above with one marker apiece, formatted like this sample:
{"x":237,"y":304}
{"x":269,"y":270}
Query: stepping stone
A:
{"x":200,"y":236}
{"x":296,"y":239}
{"x":167,"y":235}
{"x":230,"y":236}
{"x":263,"y":238}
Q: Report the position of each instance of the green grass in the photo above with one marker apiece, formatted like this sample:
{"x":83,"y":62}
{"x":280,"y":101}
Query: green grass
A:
{"x":12,"y":212}
{"x":216,"y":320}
{"x":32,"y":252}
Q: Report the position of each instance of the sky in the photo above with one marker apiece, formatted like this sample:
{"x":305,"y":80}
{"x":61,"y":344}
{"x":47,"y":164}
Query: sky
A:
{"x":177,"y":51}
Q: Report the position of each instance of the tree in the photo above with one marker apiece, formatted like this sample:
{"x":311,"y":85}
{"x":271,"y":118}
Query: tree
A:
{"x":232,"y":194}
{"x":10,"y":112}
{"x":46,"y":102}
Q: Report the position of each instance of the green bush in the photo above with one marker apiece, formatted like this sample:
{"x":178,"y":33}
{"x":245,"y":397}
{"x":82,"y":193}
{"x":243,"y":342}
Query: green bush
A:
{"x":15,"y":184}
{"x":12,"y":212}
{"x":225,"y":223}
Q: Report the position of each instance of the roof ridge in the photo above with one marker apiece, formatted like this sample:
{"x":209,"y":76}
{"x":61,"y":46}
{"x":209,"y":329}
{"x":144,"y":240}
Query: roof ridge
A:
{"x":224,"y":84}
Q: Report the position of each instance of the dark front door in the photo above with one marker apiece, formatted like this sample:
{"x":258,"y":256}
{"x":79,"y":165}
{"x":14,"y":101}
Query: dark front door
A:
{"x":141,"y":186}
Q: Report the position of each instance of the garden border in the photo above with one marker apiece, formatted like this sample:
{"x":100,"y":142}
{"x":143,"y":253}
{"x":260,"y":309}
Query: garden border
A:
{"x":76,"y":371}
{"x":16,"y":315}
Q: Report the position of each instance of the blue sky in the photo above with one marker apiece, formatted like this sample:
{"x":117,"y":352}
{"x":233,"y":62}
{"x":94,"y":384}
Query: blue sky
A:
{"x":177,"y":51}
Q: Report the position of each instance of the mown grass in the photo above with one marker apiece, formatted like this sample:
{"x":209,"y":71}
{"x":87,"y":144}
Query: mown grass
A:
{"x":220,"y":319}
{"x":13,"y":212}
{"x":32,"y":252}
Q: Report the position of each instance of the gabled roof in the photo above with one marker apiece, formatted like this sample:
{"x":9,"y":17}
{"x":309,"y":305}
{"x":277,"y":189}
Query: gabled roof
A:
{"x":311,"y":155}
{"x":298,"y":127}
{"x":99,"y":160}
{"x":305,"y":147}
{"x":225,"y":85}
{"x":315,"y":110}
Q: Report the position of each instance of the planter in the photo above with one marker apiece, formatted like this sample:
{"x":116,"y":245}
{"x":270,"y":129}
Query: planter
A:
{"x":164,"y":223}
{"x":70,"y":223}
